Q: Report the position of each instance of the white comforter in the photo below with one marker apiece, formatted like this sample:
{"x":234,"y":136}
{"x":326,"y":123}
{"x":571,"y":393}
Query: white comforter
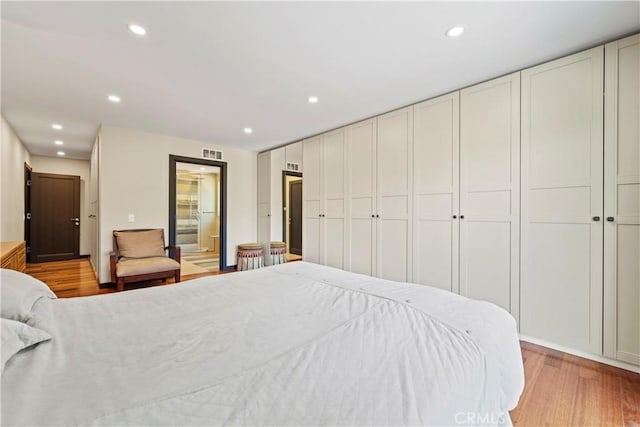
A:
{"x":297,"y":344}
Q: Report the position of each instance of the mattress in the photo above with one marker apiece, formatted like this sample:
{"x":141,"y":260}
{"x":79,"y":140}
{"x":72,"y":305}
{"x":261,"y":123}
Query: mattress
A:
{"x":295,"y":344}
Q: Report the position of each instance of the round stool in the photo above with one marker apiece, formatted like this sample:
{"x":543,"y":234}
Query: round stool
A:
{"x":250,"y":256}
{"x":278,"y":252}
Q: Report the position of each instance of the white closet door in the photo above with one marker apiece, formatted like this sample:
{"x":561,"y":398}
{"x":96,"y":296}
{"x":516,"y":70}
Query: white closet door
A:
{"x":395,"y":140}
{"x":277,"y":166}
{"x":312,"y":197}
{"x":264,"y":198}
{"x":622,"y":200}
{"x":361,"y":177}
{"x":562,"y":147}
{"x":436,"y":191}
{"x":334,"y":183}
{"x":489,"y":191}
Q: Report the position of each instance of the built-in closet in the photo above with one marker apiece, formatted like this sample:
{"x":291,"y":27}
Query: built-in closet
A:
{"x":622,"y":200}
{"x":489,"y":191}
{"x":466,"y":163}
{"x":562,"y":149}
{"x":523,"y":191}
{"x":393,"y":232}
{"x":271,"y":166}
{"x":323,"y":192}
{"x":361,"y":177}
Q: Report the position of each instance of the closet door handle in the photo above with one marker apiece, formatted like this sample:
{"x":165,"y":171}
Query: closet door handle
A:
{"x":455,"y":216}
{"x":596,"y":218}
{"x":461,"y":216}
{"x":373,"y":216}
{"x":377,"y":216}
{"x":610,"y":218}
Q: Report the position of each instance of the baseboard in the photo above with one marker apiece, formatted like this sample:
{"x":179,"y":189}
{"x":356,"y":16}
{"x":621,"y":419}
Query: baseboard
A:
{"x":106,"y":285}
{"x":583,"y":354}
{"x":85,"y":256}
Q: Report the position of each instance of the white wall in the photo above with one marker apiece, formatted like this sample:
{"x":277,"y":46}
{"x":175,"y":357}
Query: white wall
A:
{"x":94,"y":204}
{"x":134,"y":179}
{"x":13,"y":155}
{"x":81,"y":168}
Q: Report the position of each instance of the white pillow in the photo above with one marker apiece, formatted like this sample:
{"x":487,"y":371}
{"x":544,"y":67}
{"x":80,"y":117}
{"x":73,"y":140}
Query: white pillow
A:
{"x":19,"y":292}
{"x":17,"y":336}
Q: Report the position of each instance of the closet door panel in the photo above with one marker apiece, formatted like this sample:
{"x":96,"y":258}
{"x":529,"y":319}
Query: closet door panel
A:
{"x":622,"y":200}
{"x":311,"y":242}
{"x":312,"y":156}
{"x":264,"y":198}
{"x":489,"y":191}
{"x":334,"y":166}
{"x":562,"y":220}
{"x":312,"y":206}
{"x":394,"y":186}
{"x":393,"y":250}
{"x":490,"y":245}
{"x":361,"y":177}
{"x":278,"y":160}
{"x":334,"y":242}
{"x":435,"y":189}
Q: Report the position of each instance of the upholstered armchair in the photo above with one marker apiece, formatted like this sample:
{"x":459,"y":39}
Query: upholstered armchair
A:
{"x":141,"y":255}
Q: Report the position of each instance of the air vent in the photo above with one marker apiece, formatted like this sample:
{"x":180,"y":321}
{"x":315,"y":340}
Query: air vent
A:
{"x":295,"y":167}
{"x":211,"y":154}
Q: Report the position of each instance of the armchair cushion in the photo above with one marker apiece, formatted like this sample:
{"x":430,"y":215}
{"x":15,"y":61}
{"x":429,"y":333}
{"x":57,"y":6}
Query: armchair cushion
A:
{"x":140,"y":244}
{"x":135,"y":266}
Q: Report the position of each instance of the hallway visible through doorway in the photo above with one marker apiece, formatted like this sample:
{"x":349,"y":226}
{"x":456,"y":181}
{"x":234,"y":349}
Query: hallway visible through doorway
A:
{"x":292,"y":218}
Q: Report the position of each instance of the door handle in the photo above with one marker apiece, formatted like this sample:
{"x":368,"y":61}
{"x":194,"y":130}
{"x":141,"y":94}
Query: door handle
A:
{"x":596,"y":218}
{"x":610,"y":218}
{"x":74,"y":219}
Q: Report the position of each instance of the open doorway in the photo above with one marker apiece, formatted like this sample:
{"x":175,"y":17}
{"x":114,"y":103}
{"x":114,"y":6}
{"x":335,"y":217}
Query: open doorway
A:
{"x":292,"y":218}
{"x":196,"y":214}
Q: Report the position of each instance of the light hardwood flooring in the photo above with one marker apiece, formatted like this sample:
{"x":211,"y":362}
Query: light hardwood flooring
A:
{"x":76,"y":278}
{"x":560,"y":389}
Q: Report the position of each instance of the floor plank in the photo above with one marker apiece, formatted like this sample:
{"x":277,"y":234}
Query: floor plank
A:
{"x":76,"y":278}
{"x":560,"y":389}
{"x":566,"y":390}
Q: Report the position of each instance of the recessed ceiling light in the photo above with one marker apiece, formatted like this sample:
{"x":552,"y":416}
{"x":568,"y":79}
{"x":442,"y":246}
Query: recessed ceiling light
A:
{"x":137,"y":29}
{"x":455,"y":31}
{"x":114,"y":98}
{"x":56,"y":126}
{"x":313,"y":99}
{"x":58,"y":142}
{"x":60,"y":153}
{"x":248,"y":130}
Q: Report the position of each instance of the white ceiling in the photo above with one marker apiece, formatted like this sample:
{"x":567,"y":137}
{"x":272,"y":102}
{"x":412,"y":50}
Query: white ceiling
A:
{"x":206,"y":70}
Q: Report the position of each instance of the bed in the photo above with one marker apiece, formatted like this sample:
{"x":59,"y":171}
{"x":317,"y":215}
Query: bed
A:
{"x":295,"y":344}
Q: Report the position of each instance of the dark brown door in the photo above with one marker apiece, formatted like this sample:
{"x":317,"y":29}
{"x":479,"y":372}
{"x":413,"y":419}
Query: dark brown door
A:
{"x":55,"y":217}
{"x":295,"y":216}
{"x":27,"y":208}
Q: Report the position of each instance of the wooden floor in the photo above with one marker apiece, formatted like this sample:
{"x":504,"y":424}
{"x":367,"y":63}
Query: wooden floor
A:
{"x":76,"y":278}
{"x":566,"y":390}
{"x":560,"y":389}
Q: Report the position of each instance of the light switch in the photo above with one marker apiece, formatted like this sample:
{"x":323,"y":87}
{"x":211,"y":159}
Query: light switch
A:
{"x":132,"y":218}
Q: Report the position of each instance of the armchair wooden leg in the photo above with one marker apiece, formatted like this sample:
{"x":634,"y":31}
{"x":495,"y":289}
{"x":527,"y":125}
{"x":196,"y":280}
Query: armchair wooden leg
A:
{"x":177,"y":276}
{"x":120,"y":284}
